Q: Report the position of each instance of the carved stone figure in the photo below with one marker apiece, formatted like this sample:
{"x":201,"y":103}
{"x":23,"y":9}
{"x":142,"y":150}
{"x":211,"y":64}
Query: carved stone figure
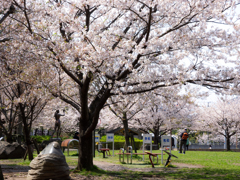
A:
{"x":49,"y":164}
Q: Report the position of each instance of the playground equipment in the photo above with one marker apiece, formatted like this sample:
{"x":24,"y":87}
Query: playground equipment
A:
{"x":169,"y":158}
{"x":103,"y":150}
{"x":67,"y":142}
{"x":151,"y":154}
{"x":121,"y":152}
{"x":130,"y":153}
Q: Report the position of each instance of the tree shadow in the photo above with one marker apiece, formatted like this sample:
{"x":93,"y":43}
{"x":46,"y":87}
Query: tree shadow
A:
{"x":168,"y":173}
{"x":13,"y":168}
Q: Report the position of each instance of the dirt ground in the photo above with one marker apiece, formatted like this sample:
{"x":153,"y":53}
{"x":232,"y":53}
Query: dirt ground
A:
{"x":20,"y":172}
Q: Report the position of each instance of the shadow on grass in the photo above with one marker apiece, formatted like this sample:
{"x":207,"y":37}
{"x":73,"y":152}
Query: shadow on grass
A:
{"x":123,"y":174}
{"x":166,"y":173}
{"x":75,"y":154}
{"x":14,"y":168}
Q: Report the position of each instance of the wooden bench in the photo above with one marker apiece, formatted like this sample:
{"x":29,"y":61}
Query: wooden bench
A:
{"x":73,"y":143}
{"x":103,"y":150}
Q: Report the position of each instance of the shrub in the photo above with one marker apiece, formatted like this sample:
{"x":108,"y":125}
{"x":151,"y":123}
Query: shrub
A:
{"x":119,"y":142}
{"x":40,"y":139}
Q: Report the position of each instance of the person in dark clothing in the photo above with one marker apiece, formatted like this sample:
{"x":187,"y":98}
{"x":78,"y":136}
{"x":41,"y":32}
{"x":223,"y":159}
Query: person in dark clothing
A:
{"x":183,"y":142}
{"x":76,"y":135}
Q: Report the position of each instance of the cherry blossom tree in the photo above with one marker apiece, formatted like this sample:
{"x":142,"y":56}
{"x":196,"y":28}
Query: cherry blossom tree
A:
{"x":69,"y":122}
{"x":125,"y":108}
{"x":165,"y":110}
{"x":16,"y":112}
{"x":121,"y":47}
{"x":221,"y":118}
{"x":22,"y":98}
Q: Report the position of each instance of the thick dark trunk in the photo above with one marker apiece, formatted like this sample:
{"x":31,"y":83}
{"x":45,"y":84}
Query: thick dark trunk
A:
{"x":228,"y":143}
{"x":9,"y":138}
{"x":156,"y":137}
{"x":85,"y":158}
{"x":29,"y":147}
{"x":1,"y":174}
{"x":126,"y":133}
{"x":26,"y":132}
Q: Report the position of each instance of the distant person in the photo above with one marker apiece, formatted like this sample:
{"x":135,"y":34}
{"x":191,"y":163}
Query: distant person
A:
{"x":187,"y":144}
{"x":210,"y":146}
{"x":57,"y":122}
{"x":183,"y":142}
{"x":76,"y":135}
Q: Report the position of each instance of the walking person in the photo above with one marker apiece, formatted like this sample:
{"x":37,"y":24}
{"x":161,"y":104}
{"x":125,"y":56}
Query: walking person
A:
{"x":183,"y":142}
{"x":57,"y":122}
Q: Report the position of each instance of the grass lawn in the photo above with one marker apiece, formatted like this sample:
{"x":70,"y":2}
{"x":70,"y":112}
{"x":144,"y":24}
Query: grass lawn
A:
{"x":215,"y":165}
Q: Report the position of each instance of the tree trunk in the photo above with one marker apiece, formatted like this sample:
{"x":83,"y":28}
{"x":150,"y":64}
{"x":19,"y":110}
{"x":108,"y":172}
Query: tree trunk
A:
{"x":156,"y":136}
{"x":9,"y":138}
{"x":85,"y":157}
{"x":30,"y":152}
{"x":126,"y":133}
{"x":228,"y":142}
{"x":1,"y":174}
{"x":26,"y":131}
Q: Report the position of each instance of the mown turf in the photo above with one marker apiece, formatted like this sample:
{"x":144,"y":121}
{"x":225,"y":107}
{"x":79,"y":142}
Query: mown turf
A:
{"x":215,"y":165}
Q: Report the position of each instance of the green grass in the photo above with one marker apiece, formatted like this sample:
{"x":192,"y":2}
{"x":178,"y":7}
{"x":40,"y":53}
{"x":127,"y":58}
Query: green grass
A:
{"x":215,"y":165}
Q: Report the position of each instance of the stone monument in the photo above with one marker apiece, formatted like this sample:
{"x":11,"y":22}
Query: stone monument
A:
{"x":11,"y":150}
{"x":49,"y":164}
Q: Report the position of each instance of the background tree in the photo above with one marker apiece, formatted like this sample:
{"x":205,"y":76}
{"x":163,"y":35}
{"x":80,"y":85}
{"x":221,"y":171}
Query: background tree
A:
{"x":17,"y":110}
{"x":69,"y":122}
{"x":165,"y":110}
{"x":125,"y":108}
{"x":221,"y":118}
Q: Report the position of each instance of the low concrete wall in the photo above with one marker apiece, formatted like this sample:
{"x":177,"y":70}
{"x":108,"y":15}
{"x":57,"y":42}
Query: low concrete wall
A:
{"x":234,"y":150}
{"x":215,"y":146}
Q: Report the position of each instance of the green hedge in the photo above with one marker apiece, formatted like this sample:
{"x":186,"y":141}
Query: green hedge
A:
{"x":118,"y":145}
{"x":40,"y":139}
{"x":119,"y":142}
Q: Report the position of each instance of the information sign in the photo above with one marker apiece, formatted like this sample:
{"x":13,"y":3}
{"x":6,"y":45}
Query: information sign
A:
{"x":97,"y":138}
{"x":165,"y":141}
{"x":110,"y":137}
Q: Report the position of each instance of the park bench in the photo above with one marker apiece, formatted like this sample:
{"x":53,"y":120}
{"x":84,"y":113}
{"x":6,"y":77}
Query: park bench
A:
{"x":70,"y":143}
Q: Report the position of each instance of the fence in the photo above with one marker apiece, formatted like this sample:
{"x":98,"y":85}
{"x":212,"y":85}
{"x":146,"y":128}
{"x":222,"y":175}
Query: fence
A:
{"x":214,"y":146}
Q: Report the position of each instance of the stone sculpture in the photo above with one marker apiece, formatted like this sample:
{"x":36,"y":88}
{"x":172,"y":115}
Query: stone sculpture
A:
{"x":49,"y":164}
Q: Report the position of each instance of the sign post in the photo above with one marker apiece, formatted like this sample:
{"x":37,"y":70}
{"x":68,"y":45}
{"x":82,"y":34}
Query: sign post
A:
{"x":97,"y":140}
{"x":147,"y":139}
{"x":110,"y":138}
{"x":165,"y":141}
